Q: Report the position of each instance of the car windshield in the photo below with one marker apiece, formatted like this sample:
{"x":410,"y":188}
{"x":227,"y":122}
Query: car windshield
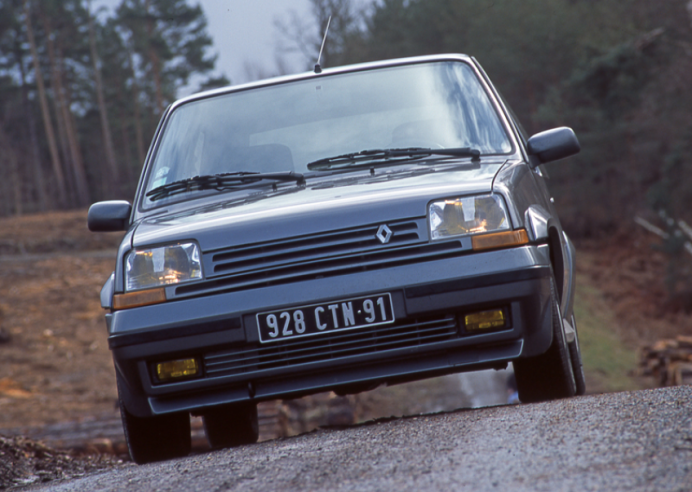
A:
{"x":284,"y":127}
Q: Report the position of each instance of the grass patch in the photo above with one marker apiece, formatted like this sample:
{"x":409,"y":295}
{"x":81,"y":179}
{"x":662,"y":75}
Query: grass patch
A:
{"x":608,"y":362}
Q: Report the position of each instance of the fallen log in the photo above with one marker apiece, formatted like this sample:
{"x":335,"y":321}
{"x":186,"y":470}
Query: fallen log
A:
{"x":668,"y":361}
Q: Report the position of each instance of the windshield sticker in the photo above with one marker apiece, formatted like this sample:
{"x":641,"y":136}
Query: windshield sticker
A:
{"x":160,"y":178}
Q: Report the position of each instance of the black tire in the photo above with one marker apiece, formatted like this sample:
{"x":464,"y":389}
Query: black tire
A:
{"x":231,"y":425}
{"x":548,"y":376}
{"x":158,"y":438}
{"x":575,"y":357}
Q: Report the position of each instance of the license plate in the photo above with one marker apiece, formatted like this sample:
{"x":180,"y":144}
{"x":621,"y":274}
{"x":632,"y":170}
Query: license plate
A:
{"x":317,"y":319}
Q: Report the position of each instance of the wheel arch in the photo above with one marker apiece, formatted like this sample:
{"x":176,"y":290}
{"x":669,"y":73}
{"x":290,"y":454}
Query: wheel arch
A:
{"x":542,"y":227}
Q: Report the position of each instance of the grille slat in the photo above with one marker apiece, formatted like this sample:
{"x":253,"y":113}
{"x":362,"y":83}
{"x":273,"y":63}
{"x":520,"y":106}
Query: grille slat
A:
{"x":355,"y":340}
{"x":326,"y":254}
{"x":326,"y":238}
{"x":333,"y":346}
{"x":326,"y":243}
{"x":324,"y":267}
{"x":408,"y":232}
{"x":260,"y":259}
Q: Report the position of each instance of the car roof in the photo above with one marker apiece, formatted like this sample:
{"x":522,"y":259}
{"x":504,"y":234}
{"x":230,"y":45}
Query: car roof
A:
{"x":325,"y":72}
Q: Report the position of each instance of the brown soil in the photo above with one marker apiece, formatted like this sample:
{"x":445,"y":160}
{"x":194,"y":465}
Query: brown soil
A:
{"x":630,"y":273}
{"x":57,"y":366}
{"x":24,"y":462}
{"x":50,"y":233}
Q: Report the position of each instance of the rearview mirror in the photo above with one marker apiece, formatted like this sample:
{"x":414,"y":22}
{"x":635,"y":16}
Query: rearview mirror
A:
{"x":554,"y":144}
{"x":110,"y":216}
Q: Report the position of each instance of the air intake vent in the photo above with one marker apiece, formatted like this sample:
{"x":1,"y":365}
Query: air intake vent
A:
{"x":293,"y":250}
{"x":327,"y":254}
{"x":325,"y":267}
{"x":406,"y":334}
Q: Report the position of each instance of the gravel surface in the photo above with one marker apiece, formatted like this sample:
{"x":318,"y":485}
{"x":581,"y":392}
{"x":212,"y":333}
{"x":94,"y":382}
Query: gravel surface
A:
{"x":623,"y":441}
{"x":23,"y":461}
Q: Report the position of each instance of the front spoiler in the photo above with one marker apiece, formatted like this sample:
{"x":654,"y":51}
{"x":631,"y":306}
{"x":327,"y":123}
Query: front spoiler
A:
{"x":438,"y":364}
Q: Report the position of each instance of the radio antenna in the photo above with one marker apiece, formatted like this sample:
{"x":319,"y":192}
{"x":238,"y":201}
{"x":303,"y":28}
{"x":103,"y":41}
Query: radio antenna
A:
{"x":318,"y":68}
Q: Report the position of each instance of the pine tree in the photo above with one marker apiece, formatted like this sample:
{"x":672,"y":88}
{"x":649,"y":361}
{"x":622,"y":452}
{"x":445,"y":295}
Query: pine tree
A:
{"x":169,"y":41}
{"x":45,"y":111}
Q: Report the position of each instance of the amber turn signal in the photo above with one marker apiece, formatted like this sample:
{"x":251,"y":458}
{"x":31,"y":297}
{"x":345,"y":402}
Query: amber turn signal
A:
{"x":500,"y":240}
{"x":139,"y":298}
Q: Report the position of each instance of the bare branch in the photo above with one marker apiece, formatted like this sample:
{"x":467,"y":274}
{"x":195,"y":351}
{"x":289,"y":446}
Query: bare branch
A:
{"x":684,"y":227}
{"x":651,"y":228}
{"x":688,"y":247}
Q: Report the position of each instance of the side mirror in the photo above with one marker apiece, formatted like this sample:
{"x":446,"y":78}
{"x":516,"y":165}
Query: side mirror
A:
{"x":554,"y":144}
{"x":110,"y":216}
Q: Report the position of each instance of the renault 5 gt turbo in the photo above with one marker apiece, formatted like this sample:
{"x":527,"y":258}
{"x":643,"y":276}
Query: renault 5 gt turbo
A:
{"x":335,"y":231}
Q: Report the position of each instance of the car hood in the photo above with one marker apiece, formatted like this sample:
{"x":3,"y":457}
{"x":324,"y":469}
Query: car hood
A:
{"x":338,"y":203}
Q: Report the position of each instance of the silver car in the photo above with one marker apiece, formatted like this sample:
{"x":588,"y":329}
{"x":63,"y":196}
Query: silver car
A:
{"x":335,"y":231}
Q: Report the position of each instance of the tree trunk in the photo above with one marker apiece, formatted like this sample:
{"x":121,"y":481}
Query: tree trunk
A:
{"x":60,"y":120}
{"x":154,"y":59}
{"x":63,"y":106}
{"x":105,"y":126}
{"x":125,"y":139}
{"x":79,"y":170}
{"x":138,"y":118}
{"x":39,"y":180}
{"x":50,"y":134}
{"x":5,"y":192}
{"x":7,"y":153}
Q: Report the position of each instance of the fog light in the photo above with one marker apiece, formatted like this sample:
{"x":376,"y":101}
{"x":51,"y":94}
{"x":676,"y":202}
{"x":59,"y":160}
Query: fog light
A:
{"x":485,"y":320}
{"x":174,"y":369}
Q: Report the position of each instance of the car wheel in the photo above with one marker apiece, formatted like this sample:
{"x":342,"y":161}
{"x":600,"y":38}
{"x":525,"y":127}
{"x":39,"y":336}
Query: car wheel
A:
{"x":547,"y":376}
{"x":157,"y":438}
{"x":231,"y":425}
{"x":575,"y":357}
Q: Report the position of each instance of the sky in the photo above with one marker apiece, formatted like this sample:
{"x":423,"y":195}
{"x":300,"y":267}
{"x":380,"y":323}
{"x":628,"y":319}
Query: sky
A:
{"x":244,"y":34}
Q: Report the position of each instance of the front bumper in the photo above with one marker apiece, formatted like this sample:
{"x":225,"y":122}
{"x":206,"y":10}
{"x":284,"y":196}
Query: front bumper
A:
{"x":427,"y":339}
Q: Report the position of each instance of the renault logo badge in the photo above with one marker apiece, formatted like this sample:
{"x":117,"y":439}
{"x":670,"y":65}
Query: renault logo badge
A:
{"x":384,"y":234}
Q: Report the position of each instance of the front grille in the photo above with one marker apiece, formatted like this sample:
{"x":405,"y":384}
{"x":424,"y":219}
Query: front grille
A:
{"x":316,"y":256}
{"x":327,"y":267}
{"x":271,"y":255}
{"x":331,"y":347}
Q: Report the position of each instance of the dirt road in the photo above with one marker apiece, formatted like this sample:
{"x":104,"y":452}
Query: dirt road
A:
{"x":636,"y":441}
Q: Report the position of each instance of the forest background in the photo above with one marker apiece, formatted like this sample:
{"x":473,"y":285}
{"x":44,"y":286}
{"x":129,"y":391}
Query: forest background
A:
{"x":81,"y":94}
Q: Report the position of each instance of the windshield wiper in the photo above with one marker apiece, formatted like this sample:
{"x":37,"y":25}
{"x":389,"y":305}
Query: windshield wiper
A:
{"x":219,"y":182}
{"x":369,"y":158}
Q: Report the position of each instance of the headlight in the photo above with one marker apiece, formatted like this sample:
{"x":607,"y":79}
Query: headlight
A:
{"x":467,"y":215}
{"x":154,"y":267}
